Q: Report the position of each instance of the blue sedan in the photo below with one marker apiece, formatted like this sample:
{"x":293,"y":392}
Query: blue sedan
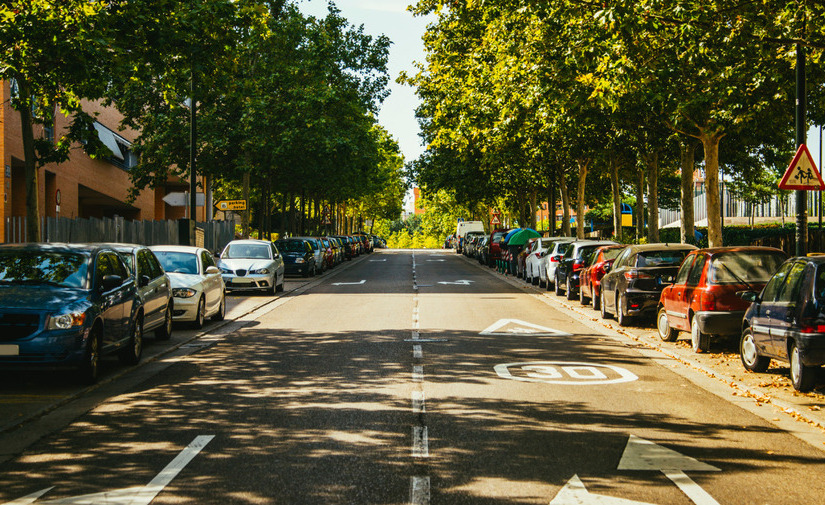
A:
{"x":64,"y":306}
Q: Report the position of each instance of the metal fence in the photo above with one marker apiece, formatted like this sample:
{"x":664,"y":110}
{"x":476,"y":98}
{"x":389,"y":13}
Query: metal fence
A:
{"x":216,"y":234}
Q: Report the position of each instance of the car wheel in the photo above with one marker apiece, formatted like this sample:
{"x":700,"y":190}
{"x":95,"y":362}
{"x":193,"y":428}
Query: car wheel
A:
{"x":749,"y":353}
{"x":221,"y":313}
{"x":666,"y":333}
{"x":802,"y":377}
{"x":130,"y":355}
{"x":305,"y":272}
{"x":584,"y":300}
{"x":621,"y":317}
{"x":571,"y":294}
{"x":165,"y":331}
{"x":90,"y":368}
{"x":700,"y":342}
{"x":279,"y":287}
{"x":603,"y":311}
{"x":200,"y":314}
{"x":595,"y":300}
{"x":556,"y":286}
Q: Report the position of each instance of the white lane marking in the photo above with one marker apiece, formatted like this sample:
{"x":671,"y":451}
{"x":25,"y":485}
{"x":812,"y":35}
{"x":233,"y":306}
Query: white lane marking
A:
{"x":349,"y":283}
{"x":516,"y":326}
{"x":420,"y":446}
{"x":420,"y":491}
{"x":415,"y":335}
{"x":417,"y":352}
{"x":30,"y":498}
{"x":691,"y":489}
{"x":418,"y":402}
{"x":564,"y":372}
{"x":418,"y":373}
{"x":574,"y":493}
{"x":459,"y":283}
{"x":375,"y":261}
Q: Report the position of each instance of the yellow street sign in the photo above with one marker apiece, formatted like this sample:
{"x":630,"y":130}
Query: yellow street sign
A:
{"x":231,"y":205}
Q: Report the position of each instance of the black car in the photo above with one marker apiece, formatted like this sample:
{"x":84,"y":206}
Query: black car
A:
{"x":632,"y":285}
{"x":786,"y":321}
{"x":349,"y":246}
{"x":298,"y":256}
{"x":63,"y":306}
{"x":572,"y":264}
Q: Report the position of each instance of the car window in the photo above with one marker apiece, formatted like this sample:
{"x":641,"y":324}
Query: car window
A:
{"x":291,"y":246}
{"x":144,"y":266}
{"x":819,"y":283}
{"x":772,"y":288}
{"x":684,"y":270}
{"x":622,"y":259}
{"x":246,"y":251}
{"x":744,"y":266}
{"x":586,"y":252}
{"x":23,"y":266}
{"x":178,"y":262}
{"x":696,"y":270}
{"x":562,"y":247}
{"x":206,"y":259}
{"x":157,"y":270}
{"x":612,"y":253}
{"x":789,"y":291}
{"x":664,"y":258}
{"x":273,"y":249}
{"x":108,"y":264}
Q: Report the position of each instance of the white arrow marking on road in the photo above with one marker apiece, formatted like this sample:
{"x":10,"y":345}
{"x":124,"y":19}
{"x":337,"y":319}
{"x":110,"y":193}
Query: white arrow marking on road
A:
{"x":460,"y":283}
{"x":349,"y":283}
{"x":30,"y":498}
{"x":138,"y":495}
{"x":376,"y":261}
{"x":521,"y":327}
{"x":434,"y":261}
{"x":641,"y":454}
{"x":574,"y":493}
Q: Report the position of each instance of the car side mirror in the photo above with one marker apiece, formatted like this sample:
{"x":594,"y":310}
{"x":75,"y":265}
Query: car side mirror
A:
{"x":111,"y":282}
{"x":606,"y":268}
{"x":212,"y":270}
{"x":748,"y":296}
{"x":144,"y":281}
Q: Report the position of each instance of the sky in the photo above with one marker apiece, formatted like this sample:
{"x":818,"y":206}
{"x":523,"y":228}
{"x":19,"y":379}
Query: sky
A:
{"x":390,"y":18}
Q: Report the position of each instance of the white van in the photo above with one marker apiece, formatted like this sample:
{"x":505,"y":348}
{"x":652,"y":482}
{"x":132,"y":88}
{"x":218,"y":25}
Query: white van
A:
{"x":462,"y":229}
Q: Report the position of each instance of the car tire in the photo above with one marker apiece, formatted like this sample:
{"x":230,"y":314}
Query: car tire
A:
{"x":584,"y":300}
{"x":220,"y":315}
{"x":89,"y":370}
{"x":603,"y":311}
{"x":749,"y":353}
{"x":802,"y":377}
{"x":556,"y":286}
{"x":200,"y":314}
{"x":663,"y":327}
{"x":165,"y":330}
{"x":130,"y":355}
{"x":621,"y":318}
{"x":700,"y":342}
{"x":279,"y":287}
{"x":571,"y":294}
{"x":595,"y":299}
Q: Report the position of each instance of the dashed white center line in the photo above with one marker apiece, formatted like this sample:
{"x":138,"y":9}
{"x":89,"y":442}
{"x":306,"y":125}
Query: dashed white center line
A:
{"x":421,"y":446}
{"x":418,"y":373}
{"x":417,"y":352}
{"x":418,"y":402}
{"x":419,"y":485}
{"x":420,"y":491}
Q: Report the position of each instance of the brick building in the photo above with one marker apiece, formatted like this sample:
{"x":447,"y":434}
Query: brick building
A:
{"x":87,"y":187}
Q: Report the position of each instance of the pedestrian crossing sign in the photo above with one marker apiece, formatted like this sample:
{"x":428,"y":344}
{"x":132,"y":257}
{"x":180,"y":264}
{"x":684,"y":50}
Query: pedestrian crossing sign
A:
{"x":802,"y":173}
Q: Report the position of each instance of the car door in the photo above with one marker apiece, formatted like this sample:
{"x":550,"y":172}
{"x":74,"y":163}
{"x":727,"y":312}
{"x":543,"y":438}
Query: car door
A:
{"x":690,"y":296}
{"x":157,"y":291}
{"x":112,"y":301}
{"x":610,"y":281}
{"x":278,"y":262}
{"x":761,"y":317}
{"x":211,"y":282}
{"x":673,"y":297}
{"x":783,"y":309}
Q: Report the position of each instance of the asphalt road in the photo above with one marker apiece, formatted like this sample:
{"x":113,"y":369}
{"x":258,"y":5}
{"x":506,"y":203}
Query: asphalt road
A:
{"x":409,"y":377}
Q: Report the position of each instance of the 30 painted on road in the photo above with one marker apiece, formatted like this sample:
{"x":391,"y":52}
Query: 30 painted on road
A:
{"x":565,"y":372}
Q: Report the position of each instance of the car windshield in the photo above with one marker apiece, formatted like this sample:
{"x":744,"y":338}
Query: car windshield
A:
{"x":497,"y":236}
{"x":178,"y":262}
{"x":744,"y":266}
{"x":286,"y":246}
{"x":612,"y":253}
{"x":246,"y":251}
{"x":667,"y":258}
{"x":67,"y":269}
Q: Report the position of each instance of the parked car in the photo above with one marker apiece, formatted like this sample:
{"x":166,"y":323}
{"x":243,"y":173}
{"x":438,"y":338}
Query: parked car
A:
{"x":786,"y":322}
{"x":494,"y":253}
{"x":703,"y":301}
{"x":64,"y":306}
{"x":252,"y":265}
{"x":197,"y":285}
{"x":329,"y":252}
{"x":297,"y":255}
{"x":153,"y":287}
{"x":570,"y":266}
{"x":551,"y":260}
{"x":482,"y":249}
{"x":632,"y":286}
{"x":317,"y":252}
{"x":471,"y":243}
{"x":349,"y":248}
{"x":591,"y":277}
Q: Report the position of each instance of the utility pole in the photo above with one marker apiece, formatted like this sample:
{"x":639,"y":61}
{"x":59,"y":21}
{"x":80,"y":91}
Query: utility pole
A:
{"x":801,"y":137}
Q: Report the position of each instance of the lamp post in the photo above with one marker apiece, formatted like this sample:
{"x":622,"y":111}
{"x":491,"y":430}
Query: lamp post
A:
{"x":801,"y":133}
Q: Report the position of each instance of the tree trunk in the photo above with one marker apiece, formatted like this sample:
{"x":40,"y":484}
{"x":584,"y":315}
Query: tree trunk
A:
{"x":533,"y":208}
{"x":32,"y":193}
{"x":640,"y":205}
{"x":551,"y":207}
{"x":616,"y":190}
{"x":652,"y":162}
{"x":710,"y":142}
{"x":248,"y":211}
{"x":565,"y":206}
{"x":687,"y":153}
{"x":584,"y":166}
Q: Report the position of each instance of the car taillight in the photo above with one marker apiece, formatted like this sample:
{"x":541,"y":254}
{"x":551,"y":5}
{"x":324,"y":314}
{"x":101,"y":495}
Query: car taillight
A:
{"x":578,"y":265}
{"x":598,"y":269}
{"x":635,"y":274}
{"x":707,"y":301}
{"x":554,"y":259}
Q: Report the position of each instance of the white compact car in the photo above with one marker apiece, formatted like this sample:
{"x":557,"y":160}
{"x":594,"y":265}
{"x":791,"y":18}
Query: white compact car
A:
{"x":551,"y":260}
{"x":534,"y":263}
{"x":252,"y":265}
{"x":197,"y":285}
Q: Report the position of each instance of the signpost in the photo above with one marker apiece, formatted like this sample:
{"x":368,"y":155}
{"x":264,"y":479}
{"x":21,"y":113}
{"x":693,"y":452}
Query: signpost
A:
{"x":226,"y":205}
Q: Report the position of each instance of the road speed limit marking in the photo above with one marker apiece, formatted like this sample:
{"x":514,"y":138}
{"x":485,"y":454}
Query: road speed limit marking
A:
{"x":564,"y":372}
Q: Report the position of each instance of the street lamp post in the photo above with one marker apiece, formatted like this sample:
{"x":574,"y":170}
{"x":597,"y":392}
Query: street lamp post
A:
{"x":801,"y":134}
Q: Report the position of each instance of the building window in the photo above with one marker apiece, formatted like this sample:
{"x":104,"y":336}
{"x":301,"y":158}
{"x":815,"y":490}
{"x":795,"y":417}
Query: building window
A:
{"x":122,"y":154}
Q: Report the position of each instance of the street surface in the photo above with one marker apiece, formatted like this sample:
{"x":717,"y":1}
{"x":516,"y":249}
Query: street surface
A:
{"x":405,"y":377}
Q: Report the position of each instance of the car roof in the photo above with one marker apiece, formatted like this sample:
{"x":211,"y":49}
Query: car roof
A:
{"x":249,"y":241}
{"x":662,"y":246}
{"x":739,"y":248}
{"x":56,"y":246}
{"x":177,"y":248}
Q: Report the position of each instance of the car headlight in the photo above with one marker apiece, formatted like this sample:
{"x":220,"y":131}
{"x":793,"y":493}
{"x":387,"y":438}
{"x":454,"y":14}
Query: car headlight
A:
{"x":299,"y":260}
{"x":66,"y":321}
{"x":260,"y":271}
{"x":183,"y":292}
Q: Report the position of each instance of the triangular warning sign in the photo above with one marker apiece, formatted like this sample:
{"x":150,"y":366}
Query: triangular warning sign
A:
{"x":495,"y":220}
{"x":641,"y":454}
{"x":802,"y":173}
{"x":516,"y":327}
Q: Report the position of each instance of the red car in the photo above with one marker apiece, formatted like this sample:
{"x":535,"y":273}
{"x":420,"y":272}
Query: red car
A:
{"x":591,"y":277}
{"x":495,"y":246}
{"x":702,"y":299}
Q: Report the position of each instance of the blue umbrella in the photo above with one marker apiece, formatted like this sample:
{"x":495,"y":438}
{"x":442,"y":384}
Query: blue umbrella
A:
{"x":510,"y":234}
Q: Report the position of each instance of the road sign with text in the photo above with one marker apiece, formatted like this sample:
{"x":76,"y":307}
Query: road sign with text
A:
{"x":231,"y":205}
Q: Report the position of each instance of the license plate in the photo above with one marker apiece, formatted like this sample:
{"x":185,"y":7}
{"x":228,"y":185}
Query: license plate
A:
{"x":9,"y":350}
